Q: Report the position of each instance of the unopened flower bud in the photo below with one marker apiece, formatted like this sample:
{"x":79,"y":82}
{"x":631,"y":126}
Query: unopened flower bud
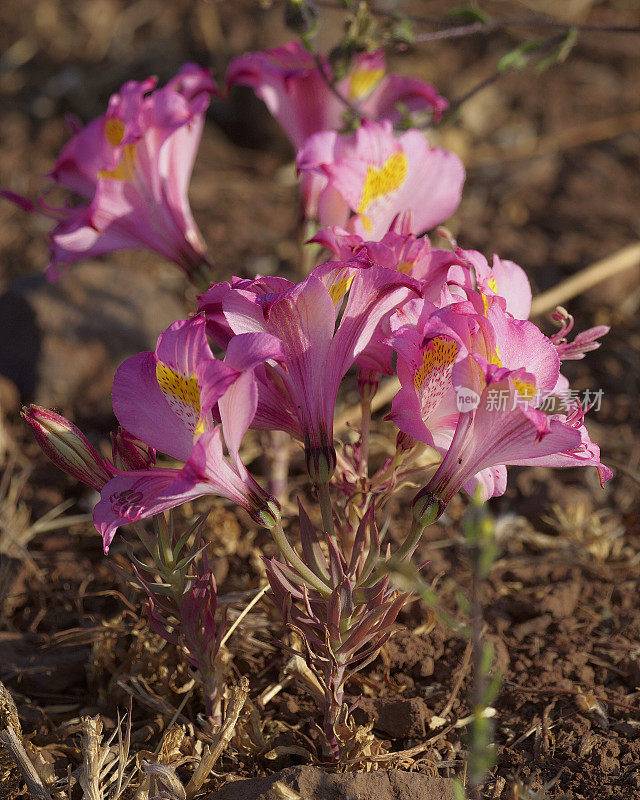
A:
{"x":130,"y":453}
{"x":321,"y":463}
{"x":302,"y":17}
{"x":67,"y":446}
{"x":266,"y":513}
{"x":426,"y":508}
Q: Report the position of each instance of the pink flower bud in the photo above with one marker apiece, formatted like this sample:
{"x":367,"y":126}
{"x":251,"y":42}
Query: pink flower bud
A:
{"x":426,"y":508}
{"x":130,"y":453}
{"x":321,"y":462}
{"x":67,"y":446}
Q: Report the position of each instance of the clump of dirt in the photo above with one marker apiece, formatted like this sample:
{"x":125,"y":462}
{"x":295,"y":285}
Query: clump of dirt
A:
{"x":398,"y":719}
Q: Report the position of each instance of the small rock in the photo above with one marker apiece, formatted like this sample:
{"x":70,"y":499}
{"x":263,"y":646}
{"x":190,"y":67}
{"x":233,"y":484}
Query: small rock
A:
{"x":413,"y":654}
{"x":399,"y":719}
{"x":562,"y":599}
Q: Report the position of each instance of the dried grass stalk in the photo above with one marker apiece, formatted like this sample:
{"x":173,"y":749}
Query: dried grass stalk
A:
{"x":11,"y":741}
{"x":9,"y":774}
{"x":239,"y":696}
{"x":282,"y":792}
{"x":164,"y":784}
{"x":96,"y":757}
{"x":15,"y":764}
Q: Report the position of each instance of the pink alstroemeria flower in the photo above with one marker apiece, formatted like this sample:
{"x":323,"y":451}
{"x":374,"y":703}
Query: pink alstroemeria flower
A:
{"x":490,"y":435}
{"x":431,"y":402}
{"x":445,"y":277}
{"x":403,"y":252}
{"x":132,"y":168}
{"x":297,"y":393}
{"x":398,"y":250}
{"x":373,"y":175}
{"x":468,"y":270}
{"x":168,"y":399}
{"x":288,"y":81}
{"x":210,"y":302}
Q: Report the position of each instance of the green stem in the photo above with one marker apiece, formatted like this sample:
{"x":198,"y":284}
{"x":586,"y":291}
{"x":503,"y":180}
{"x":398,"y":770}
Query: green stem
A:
{"x":365,"y":432}
{"x":161,"y":552}
{"x":404,"y":551}
{"x":144,"y":537}
{"x":202,"y":274}
{"x":478,"y":746}
{"x":410,"y":543}
{"x":166,"y":548}
{"x":297,"y":563}
{"x":326,"y":508}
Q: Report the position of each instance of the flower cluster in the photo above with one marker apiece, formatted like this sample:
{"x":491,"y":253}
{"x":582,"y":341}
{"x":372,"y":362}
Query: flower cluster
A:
{"x":271,"y":354}
{"x":368,"y":176}
{"x":128,"y":170}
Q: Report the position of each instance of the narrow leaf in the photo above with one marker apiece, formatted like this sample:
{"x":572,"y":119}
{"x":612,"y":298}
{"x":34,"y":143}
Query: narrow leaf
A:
{"x":518,"y":58}
{"x":469,"y":14}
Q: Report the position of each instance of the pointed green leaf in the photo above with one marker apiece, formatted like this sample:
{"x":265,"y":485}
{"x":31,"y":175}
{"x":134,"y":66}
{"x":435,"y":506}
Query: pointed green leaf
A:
{"x":518,"y":58}
{"x":469,"y":14}
{"x":559,"y":53}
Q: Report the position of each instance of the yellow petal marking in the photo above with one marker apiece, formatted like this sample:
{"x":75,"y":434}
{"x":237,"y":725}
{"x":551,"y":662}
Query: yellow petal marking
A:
{"x":433,"y":379}
{"x":491,"y":283}
{"x":125,"y":169}
{"x":364,"y":81}
{"x":114,"y":131}
{"x":183,"y":396}
{"x":526,"y":389}
{"x":380,"y":182}
{"x":494,"y":358}
{"x":340,"y":286}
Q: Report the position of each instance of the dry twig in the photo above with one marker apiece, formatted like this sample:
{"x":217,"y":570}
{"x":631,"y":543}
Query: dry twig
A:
{"x":96,"y":758}
{"x":283,"y":792}
{"x":212,"y":754}
{"x":15,"y":754}
{"x":466,"y":660}
{"x":591,"y":276}
{"x":38,"y":791}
